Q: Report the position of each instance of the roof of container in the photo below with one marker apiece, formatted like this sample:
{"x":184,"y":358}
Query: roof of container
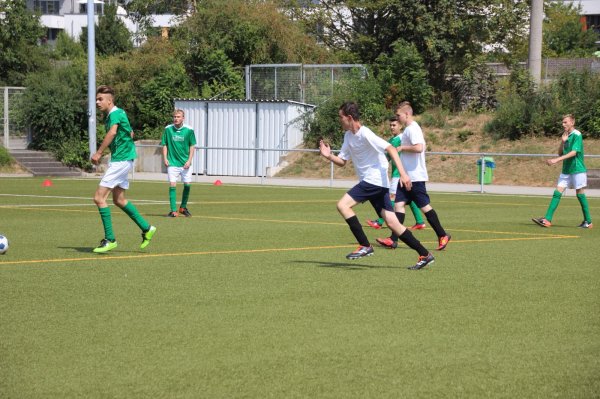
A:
{"x":244,"y":101}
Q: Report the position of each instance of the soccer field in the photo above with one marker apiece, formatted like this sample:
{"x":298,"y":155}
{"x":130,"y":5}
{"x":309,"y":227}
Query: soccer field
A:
{"x":252,"y":297}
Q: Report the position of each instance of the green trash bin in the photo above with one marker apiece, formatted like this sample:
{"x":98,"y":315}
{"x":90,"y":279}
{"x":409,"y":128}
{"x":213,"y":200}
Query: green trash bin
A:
{"x":488,"y":172}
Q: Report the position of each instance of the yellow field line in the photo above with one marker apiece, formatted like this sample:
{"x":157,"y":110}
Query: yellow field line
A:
{"x":96,"y":258}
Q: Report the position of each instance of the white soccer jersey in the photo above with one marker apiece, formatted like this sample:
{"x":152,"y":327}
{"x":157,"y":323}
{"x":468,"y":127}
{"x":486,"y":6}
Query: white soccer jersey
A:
{"x":414,"y":162}
{"x":367,"y":151}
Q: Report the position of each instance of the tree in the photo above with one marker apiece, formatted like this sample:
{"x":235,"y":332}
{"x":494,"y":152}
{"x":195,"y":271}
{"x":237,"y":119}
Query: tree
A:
{"x":222,"y":36}
{"x":54,"y":106}
{"x":447,"y":33}
{"x":66,"y":48}
{"x":20,"y":31}
{"x":145,"y":82}
{"x":564,"y":35}
{"x":112,"y":36}
{"x":403,"y":76}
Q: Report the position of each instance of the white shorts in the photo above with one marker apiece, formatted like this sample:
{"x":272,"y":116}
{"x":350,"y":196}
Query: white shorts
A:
{"x":117,"y":174}
{"x":576,"y":181}
{"x":175,"y":171}
{"x":394,"y":185}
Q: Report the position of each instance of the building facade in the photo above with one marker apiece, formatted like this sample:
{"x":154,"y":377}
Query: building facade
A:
{"x":70,"y":16}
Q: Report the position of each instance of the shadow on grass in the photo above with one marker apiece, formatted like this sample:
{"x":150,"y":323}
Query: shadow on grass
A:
{"x":89,"y":250}
{"x":345,"y":265}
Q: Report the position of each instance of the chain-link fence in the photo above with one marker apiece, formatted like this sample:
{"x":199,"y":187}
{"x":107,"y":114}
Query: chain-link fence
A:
{"x":14,"y":136}
{"x":304,"y":83}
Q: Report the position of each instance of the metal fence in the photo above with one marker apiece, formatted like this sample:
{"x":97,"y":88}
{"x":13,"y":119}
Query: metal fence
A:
{"x":203,"y":150}
{"x":305,"y":83}
{"x":551,"y":67}
{"x":14,"y":136}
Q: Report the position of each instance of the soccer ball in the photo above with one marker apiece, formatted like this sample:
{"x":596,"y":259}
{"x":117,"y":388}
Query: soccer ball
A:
{"x":3,"y":244}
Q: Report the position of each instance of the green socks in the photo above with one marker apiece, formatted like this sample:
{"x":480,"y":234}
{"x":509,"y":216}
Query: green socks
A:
{"x":553,"y":205}
{"x":173,"y":198}
{"x":186,"y":195}
{"x":133,"y":213}
{"x":417,"y":213}
{"x":107,"y":223}
{"x":584,"y":207}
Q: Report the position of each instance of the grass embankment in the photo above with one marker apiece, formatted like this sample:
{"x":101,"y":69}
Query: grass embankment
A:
{"x":462,"y":133}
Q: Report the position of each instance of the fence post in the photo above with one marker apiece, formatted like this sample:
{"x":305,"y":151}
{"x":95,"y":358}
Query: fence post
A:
{"x":262,"y":166}
{"x":482,"y":172}
{"x":6,"y":144}
{"x":331,"y":174}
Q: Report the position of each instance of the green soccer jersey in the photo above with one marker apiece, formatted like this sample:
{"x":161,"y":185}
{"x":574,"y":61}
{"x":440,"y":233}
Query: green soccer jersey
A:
{"x":122,"y":147}
{"x":574,"y":164}
{"x":396,"y":142}
{"x":178,"y":142}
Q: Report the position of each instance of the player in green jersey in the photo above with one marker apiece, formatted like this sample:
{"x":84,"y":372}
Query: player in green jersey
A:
{"x":178,"y":141}
{"x":396,"y":142}
{"x":573,"y":175}
{"x":115,"y":180}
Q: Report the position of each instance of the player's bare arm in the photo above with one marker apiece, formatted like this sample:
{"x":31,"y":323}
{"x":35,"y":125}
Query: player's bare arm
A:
{"x":110,"y":136}
{"x":411,"y":148}
{"x":326,"y":153}
{"x":404,"y":178}
{"x":165,"y":151}
{"x":556,"y":160}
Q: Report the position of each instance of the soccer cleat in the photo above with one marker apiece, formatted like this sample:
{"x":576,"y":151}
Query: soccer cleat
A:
{"x":185,"y":212}
{"x":374,"y":224}
{"x":418,"y":226}
{"x":443,"y":241}
{"x":360,"y":252}
{"x":172,"y":214}
{"x":147,"y":236}
{"x":586,"y":225}
{"x":387,"y":242}
{"x":423,"y":261}
{"x":542,"y":222}
{"x":105,"y":246}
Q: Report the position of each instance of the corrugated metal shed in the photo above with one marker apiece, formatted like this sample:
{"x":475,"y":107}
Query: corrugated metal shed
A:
{"x":242,"y":137}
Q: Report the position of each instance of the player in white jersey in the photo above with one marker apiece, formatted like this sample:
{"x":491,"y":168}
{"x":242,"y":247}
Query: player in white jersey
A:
{"x":367,"y":152}
{"x":412,"y":155}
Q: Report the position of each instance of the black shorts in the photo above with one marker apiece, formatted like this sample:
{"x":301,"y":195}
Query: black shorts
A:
{"x":417,"y":194}
{"x":379,"y":197}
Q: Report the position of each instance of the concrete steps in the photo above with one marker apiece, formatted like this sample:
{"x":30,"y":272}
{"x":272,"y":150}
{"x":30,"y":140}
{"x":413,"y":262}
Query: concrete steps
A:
{"x":593,"y":178}
{"x":41,"y":163}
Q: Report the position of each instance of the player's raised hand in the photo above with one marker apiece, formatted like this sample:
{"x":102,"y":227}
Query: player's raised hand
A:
{"x":324,"y":148}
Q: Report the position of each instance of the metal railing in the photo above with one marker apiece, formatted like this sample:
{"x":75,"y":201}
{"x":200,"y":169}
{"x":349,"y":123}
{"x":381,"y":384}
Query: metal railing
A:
{"x":202,"y":169}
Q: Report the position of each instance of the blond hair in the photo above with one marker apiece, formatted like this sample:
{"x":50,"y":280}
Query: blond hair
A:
{"x":405,"y":106}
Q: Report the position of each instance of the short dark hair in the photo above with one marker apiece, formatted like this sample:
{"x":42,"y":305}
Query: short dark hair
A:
{"x":393,"y":119}
{"x":350,"y":108}
{"x":104,"y":89}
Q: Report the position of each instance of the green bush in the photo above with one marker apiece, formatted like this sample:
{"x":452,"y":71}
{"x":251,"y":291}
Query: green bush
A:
{"x":475,"y":90}
{"x":55,"y":107}
{"x":524,"y":111}
{"x":434,"y":117}
{"x":403,"y":77}
{"x":145,"y":85}
{"x":324,"y":123}
{"x":5,"y":158}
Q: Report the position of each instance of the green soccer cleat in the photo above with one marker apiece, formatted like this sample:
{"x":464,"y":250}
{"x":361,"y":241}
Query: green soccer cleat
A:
{"x":147,"y":236}
{"x":105,"y":246}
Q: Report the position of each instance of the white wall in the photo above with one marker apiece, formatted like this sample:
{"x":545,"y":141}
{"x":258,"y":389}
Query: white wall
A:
{"x":251,"y":125}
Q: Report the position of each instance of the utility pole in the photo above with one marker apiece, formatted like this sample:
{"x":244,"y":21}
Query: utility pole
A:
{"x":91,"y":42}
{"x":535,"y":40}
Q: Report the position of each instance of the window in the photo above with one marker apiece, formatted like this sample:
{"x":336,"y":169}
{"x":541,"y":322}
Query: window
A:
{"x":51,"y":7}
{"x":97,"y":7}
{"x":593,"y":22}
